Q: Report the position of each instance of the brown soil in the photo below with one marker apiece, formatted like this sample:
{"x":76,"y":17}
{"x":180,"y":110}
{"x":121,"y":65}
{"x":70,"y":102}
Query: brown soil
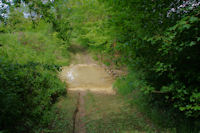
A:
{"x":83,"y":75}
{"x":96,"y":107}
{"x":79,"y":114}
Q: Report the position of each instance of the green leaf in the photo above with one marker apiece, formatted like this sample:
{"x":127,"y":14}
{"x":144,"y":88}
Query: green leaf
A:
{"x":193,"y":19}
{"x":192,"y":43}
{"x":198,"y":38}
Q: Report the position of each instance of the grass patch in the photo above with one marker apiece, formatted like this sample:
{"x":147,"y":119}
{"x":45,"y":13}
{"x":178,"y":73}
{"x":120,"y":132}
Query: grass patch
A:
{"x":112,"y":114}
{"x":23,"y":47}
{"x":131,"y":86}
{"x":62,"y":121}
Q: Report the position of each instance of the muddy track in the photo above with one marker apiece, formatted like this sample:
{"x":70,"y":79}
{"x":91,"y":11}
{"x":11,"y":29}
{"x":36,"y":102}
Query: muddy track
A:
{"x":79,"y":113}
{"x":75,"y":113}
{"x":96,"y":106}
{"x":82,"y":76}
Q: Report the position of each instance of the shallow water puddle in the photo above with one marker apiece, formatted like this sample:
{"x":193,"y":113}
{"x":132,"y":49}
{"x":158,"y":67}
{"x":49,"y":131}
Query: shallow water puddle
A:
{"x":91,"y":77}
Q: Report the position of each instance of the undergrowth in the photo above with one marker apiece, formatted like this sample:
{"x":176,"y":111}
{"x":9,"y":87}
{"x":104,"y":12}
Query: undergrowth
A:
{"x":162,"y":117}
{"x":29,"y":85}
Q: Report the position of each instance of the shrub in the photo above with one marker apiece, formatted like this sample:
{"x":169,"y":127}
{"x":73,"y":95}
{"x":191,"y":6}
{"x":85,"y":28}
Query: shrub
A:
{"x":29,"y":85}
{"x":27,"y":93}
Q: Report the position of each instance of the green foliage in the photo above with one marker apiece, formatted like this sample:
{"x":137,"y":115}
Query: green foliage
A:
{"x":29,"y":85}
{"x":178,"y":65}
{"x":161,"y":50}
{"x":23,"y":47}
{"x":140,"y":34}
{"x":61,"y":20}
{"x":88,"y":21}
{"x":17,"y":22}
{"x":127,"y":84}
{"x":27,"y":94}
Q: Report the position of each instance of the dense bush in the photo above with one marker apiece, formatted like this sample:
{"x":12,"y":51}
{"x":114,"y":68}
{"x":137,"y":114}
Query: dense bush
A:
{"x":176,"y":69}
{"x":29,"y":61}
{"x":27,"y":93}
{"x":169,"y":58}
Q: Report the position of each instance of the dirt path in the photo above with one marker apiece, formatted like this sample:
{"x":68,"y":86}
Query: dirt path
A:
{"x":82,"y":76}
{"x":79,"y":125}
{"x":98,"y":108}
